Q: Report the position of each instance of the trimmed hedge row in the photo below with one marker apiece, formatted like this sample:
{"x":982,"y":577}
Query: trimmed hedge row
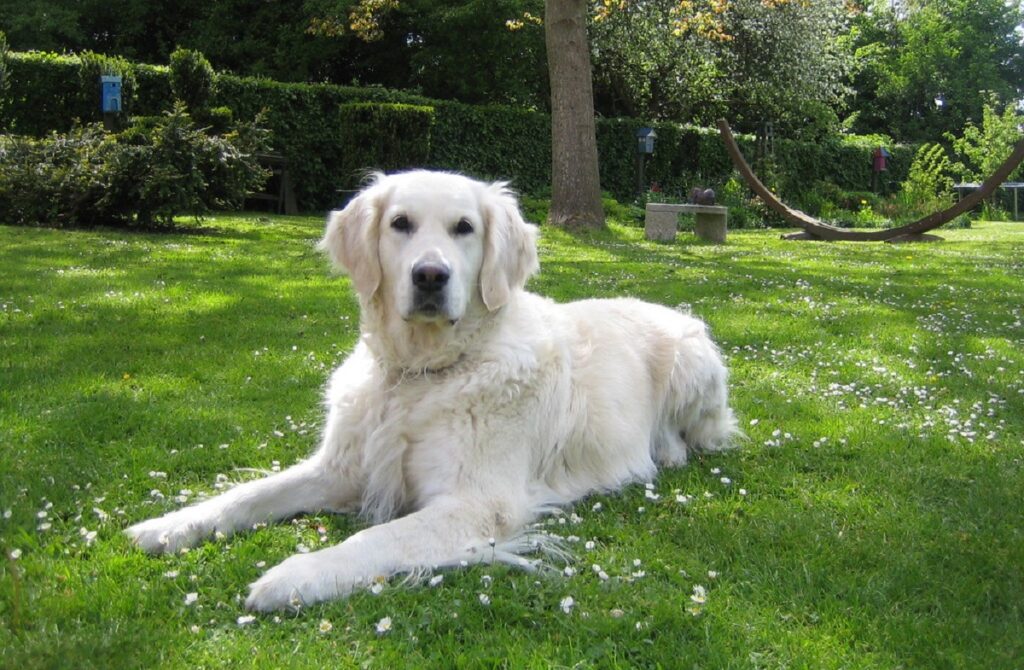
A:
{"x":330,"y":143}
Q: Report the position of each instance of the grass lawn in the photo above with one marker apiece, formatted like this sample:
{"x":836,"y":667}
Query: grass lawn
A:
{"x":874,"y":518}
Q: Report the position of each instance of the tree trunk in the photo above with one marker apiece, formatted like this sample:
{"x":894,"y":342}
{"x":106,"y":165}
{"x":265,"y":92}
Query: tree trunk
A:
{"x":575,"y":180}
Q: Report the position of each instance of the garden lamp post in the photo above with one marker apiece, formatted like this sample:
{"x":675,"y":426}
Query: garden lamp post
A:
{"x":645,"y":146}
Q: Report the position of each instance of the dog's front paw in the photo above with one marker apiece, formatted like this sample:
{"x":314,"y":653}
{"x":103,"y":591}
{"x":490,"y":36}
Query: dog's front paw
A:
{"x":301,"y":580}
{"x":171,"y":532}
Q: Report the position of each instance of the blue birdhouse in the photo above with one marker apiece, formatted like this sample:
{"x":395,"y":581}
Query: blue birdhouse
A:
{"x":111,"y":87}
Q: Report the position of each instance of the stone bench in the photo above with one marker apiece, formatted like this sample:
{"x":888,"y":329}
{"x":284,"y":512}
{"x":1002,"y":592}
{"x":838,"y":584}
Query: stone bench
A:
{"x":660,"y":221}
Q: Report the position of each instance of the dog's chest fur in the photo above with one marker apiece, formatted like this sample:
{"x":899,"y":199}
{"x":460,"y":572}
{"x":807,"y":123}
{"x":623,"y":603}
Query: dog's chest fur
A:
{"x":415,"y":437}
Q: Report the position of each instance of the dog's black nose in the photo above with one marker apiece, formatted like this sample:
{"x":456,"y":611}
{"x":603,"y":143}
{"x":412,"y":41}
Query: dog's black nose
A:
{"x":430,"y":276}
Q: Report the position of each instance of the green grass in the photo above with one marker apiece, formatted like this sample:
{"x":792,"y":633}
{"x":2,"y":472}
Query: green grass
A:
{"x":879,"y":526}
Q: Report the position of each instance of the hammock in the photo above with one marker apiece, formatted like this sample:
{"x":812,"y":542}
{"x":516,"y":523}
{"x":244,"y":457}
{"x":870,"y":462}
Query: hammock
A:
{"x":815,"y":229}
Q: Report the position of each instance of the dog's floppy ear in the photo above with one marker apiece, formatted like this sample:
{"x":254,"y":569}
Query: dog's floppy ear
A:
{"x":351,"y":238}
{"x":510,"y":247}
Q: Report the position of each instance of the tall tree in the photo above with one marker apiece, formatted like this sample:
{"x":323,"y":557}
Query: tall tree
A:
{"x":913,"y":51}
{"x":575,"y":179}
{"x":752,"y":62}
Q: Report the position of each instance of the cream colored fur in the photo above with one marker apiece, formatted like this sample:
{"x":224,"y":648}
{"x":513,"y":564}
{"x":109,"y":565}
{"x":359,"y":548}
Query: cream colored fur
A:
{"x":450,"y":428}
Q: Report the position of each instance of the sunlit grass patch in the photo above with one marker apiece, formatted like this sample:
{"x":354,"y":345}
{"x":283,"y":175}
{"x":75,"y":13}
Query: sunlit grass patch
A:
{"x":871,"y":518}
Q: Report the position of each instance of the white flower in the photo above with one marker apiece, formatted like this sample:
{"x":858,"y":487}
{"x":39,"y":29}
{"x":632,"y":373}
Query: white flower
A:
{"x":712,"y":574}
{"x":754,"y":422}
{"x":596,"y":508}
{"x":376,"y":588}
{"x":245,"y":620}
{"x":699,"y":596}
{"x":569,"y":571}
{"x":325,"y":626}
{"x":15,"y":554}
{"x":436,"y":580}
{"x":484,"y":599}
{"x":171,"y":574}
{"x":725,"y":480}
{"x":567,"y":604}
{"x":191,"y":598}
{"x":384,"y":625}
{"x":589,"y":544}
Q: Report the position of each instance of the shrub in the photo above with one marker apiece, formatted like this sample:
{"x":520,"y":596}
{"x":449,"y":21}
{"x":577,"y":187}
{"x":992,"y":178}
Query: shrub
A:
{"x":191,"y":80}
{"x":929,"y":185}
{"x":147,"y":174}
{"x":56,"y":180}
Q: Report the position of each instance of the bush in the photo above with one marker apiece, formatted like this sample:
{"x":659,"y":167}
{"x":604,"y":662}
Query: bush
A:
{"x":929,"y":184}
{"x":191,"y":80}
{"x":147,"y":174}
{"x":381,"y":136}
{"x":56,"y":180}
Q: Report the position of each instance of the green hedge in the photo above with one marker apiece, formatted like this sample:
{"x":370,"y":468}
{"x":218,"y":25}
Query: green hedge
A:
{"x":382,"y":136}
{"x":308,"y":121}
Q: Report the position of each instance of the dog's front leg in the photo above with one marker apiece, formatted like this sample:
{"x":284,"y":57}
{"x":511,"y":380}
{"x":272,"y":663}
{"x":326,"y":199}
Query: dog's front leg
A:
{"x":305,"y":487}
{"x":441,"y":534}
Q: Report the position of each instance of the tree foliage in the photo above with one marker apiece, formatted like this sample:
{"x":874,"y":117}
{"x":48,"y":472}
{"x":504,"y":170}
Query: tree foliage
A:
{"x":785,"y":61}
{"x":753,"y":61}
{"x":911,"y":52}
{"x":983,"y":147}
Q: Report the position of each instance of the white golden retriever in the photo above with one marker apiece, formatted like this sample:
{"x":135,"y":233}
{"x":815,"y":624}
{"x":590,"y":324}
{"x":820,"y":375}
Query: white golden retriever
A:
{"x":469,"y":405}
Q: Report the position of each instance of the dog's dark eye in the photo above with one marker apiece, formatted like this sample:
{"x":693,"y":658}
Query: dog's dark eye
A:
{"x":463,"y":227}
{"x":401,"y":224}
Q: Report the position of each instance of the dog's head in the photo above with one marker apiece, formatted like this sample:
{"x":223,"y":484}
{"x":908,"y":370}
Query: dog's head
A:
{"x":431,"y":245}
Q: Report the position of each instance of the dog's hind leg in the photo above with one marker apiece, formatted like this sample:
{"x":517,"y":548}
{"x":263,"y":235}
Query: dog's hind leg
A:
{"x":696,"y":414}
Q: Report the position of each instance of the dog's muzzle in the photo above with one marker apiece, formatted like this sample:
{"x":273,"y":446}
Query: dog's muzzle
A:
{"x":429,"y":279}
